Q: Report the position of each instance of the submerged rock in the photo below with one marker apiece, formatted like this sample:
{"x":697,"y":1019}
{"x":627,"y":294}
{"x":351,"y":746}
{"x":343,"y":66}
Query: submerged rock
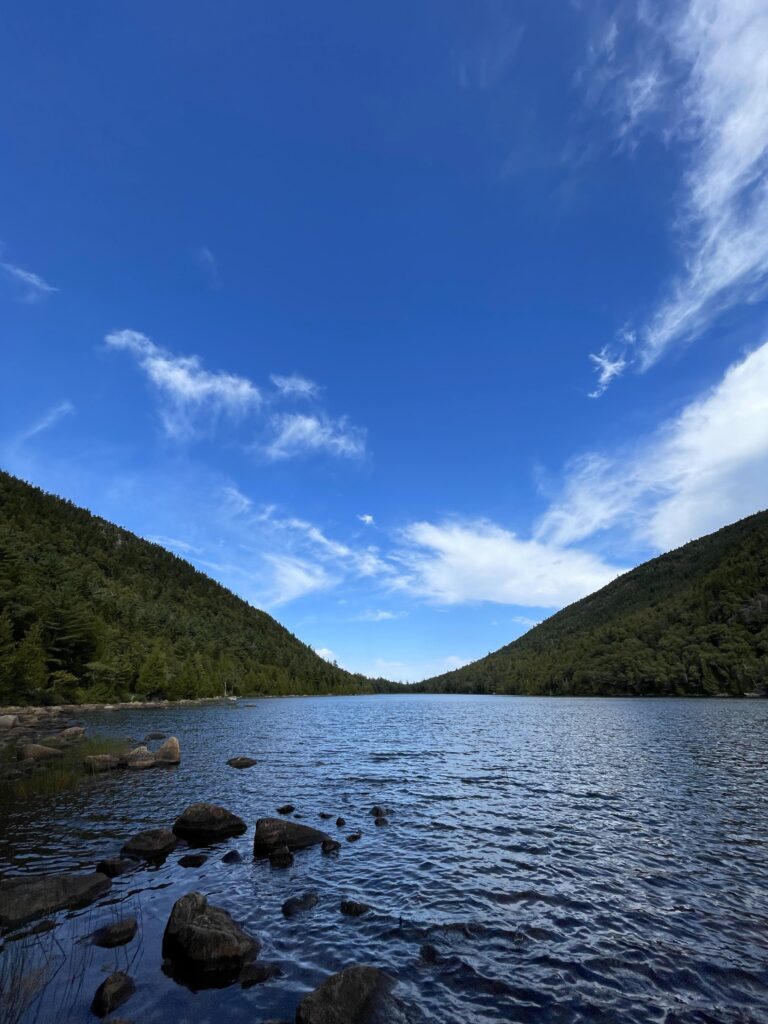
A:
{"x":272,"y":833}
{"x":151,"y":844}
{"x":242,"y":762}
{"x":298,"y":904}
{"x":193,"y":860}
{"x":429,"y":954}
{"x":354,"y":836}
{"x":232,"y":857}
{"x":112,"y":993}
{"x":331,"y":846}
{"x":114,"y":866}
{"x":381,"y":820}
{"x":117,"y":934}
{"x":345,"y":998}
{"x":341,"y":822}
{"x":29,"y":896}
{"x":325,"y":815}
{"x":204,"y":942}
{"x":204,"y":823}
{"x":281,"y":857}
{"x":286,"y":809}
{"x":257,"y":974}
{"x":378,"y":811}
{"x":353,"y":909}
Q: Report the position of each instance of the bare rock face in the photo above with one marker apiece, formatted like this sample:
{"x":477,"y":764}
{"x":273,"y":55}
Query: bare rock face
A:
{"x":272,"y":833}
{"x":348,"y":997}
{"x":204,"y":944}
{"x":30,"y":896}
{"x":206,"y":823}
{"x":169,"y":752}
{"x":36,"y":752}
{"x":152,"y":844}
{"x":112,"y":993}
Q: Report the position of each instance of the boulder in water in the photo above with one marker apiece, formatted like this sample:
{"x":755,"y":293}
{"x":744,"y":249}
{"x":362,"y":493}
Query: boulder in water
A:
{"x":348,"y":997}
{"x":193,"y":860}
{"x":272,"y":833}
{"x":257,"y":974}
{"x":151,"y":844}
{"x":206,"y":823}
{"x":30,"y":896}
{"x":281,"y":857}
{"x":114,"y":866}
{"x":242,"y":762}
{"x":331,"y":846}
{"x":204,"y":943}
{"x":286,"y":809}
{"x":112,"y":993}
{"x":169,"y":752}
{"x":101,"y":762}
{"x":138,"y":758}
{"x":353,"y":909}
{"x":298,"y":904}
{"x":117,"y":934}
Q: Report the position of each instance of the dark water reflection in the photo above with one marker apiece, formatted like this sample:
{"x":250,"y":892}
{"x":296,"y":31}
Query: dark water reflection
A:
{"x":570,"y":860}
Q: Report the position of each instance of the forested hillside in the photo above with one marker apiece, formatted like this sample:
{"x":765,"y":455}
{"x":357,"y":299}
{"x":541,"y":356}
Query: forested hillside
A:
{"x":694,"y":621}
{"x":90,"y":612}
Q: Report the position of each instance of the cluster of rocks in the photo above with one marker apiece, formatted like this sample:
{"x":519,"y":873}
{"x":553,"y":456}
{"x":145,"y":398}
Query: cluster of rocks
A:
{"x":140,"y":757}
{"x":203,"y":946}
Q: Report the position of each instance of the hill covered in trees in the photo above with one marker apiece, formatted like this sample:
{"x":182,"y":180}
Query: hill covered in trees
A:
{"x":91,"y":612}
{"x":694,"y":621}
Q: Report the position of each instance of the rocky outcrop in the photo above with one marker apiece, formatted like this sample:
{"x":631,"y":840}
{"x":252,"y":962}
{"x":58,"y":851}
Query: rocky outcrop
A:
{"x":206,"y":823}
{"x":241,"y":762}
{"x":348,"y":997}
{"x":112,"y":993}
{"x":117,"y":934}
{"x":272,"y":833}
{"x":30,"y":896}
{"x":152,"y":844}
{"x":204,"y":943}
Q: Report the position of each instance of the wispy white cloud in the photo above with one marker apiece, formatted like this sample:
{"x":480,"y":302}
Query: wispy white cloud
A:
{"x":58,"y":412}
{"x":294,"y":386}
{"x":326,"y":654}
{"x":210,"y":265}
{"x":607,"y":366}
{"x":699,"y":78}
{"x":379,"y":615}
{"x":295,"y":434}
{"x":189,"y":391}
{"x":459,"y":562}
{"x":31,"y":287}
{"x":175,"y":544}
{"x":703,"y":469}
{"x":366,"y":519}
{"x":294,"y":577}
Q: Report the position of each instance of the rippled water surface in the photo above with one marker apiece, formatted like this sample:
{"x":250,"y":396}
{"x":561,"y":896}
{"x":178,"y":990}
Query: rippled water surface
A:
{"x":570,"y":860}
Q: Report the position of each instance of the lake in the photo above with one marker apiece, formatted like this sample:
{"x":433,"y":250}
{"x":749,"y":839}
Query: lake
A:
{"x":569,"y":859}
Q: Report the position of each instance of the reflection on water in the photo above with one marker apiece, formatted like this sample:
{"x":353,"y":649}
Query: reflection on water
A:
{"x":568,"y":860}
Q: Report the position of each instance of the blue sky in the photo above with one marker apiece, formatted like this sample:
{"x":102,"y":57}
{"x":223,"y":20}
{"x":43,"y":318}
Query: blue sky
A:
{"x":411,"y":323}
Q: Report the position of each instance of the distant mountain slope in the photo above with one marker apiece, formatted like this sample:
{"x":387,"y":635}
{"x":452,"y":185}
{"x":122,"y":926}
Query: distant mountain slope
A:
{"x":90,"y":612}
{"x":694,"y":621}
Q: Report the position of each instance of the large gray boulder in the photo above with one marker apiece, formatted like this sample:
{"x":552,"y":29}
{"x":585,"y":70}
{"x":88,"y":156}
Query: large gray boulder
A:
{"x":348,"y":997}
{"x":151,"y":844}
{"x":204,"y":823}
{"x":169,"y":752}
{"x":271,"y":833}
{"x":30,"y":896}
{"x":204,"y":944}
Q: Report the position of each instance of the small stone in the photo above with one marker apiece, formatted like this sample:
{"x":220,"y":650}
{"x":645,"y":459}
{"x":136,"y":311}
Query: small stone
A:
{"x":232,"y":857}
{"x":241,"y":762}
{"x":257,"y":974}
{"x":378,"y":812}
{"x":193,"y":860}
{"x":299,"y":904}
{"x":341,"y":822}
{"x":281,"y":857}
{"x":112,"y":993}
{"x":286,"y":809}
{"x":331,"y":846}
{"x":354,"y":836}
{"x":118,"y":934}
{"x":274,"y":832}
{"x":325,"y":815}
{"x":203,"y":823}
{"x":381,"y":820}
{"x":353,"y":909}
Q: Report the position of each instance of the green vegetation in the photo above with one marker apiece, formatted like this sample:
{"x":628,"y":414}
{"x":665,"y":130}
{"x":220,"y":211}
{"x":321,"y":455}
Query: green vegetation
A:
{"x":694,"y":621}
{"x":91,"y":613}
{"x":51,"y":776}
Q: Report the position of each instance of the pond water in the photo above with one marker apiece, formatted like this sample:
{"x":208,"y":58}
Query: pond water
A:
{"x":570,"y":860}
